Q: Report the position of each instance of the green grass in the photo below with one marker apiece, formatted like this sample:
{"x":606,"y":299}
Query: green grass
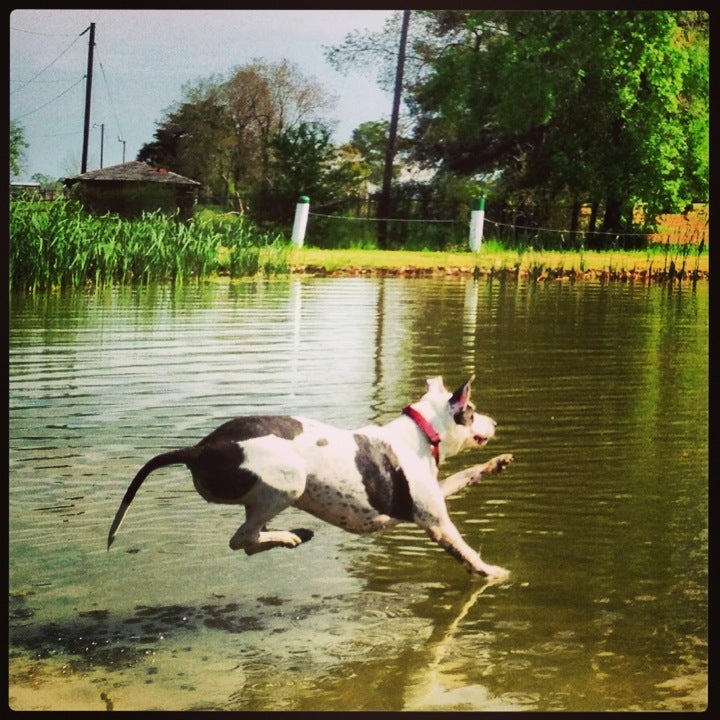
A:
{"x":57,"y":244}
{"x":494,"y":259}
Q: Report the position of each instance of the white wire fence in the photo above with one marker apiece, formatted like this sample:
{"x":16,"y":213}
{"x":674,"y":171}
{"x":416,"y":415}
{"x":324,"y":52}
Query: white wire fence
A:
{"x":334,"y":230}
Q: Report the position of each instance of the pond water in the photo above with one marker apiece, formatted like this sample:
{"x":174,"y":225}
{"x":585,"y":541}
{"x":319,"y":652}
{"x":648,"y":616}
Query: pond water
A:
{"x":599,"y":390}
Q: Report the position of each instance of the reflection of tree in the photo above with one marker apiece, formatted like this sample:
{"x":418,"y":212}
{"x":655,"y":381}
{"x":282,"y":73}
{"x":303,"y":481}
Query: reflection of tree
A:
{"x":394,"y":384}
{"x":470,"y":311}
{"x":420,"y":335}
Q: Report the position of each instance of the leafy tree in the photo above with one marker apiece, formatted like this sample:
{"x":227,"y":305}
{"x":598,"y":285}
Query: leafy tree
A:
{"x":394,"y":64}
{"x":429,"y":33}
{"x":370,"y":140}
{"x":193,"y":142}
{"x":603,"y":106}
{"x":304,"y":162}
{"x":17,"y":148}
{"x":221,"y":134}
{"x":45,"y":181}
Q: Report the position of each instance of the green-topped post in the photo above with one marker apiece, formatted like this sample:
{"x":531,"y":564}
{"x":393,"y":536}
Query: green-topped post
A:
{"x":302,"y":210}
{"x":477,"y":220}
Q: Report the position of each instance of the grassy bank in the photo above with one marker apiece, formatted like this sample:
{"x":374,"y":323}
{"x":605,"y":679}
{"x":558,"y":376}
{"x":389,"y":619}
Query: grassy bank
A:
{"x":658,"y":263}
{"x":57,"y":244}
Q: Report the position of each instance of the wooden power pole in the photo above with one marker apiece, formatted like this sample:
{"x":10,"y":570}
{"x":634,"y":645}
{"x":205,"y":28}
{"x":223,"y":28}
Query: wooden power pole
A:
{"x":88,"y":96}
{"x":384,"y":203}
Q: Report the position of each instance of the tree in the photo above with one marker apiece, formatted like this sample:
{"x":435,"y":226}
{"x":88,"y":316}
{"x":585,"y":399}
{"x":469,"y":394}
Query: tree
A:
{"x":221,"y":134}
{"x":370,"y":140}
{"x":193,"y":141}
{"x":304,"y":162}
{"x":385,"y":200}
{"x":383,"y":51}
{"x":17,"y":148}
{"x":610,"y":107}
{"x":428,"y":35}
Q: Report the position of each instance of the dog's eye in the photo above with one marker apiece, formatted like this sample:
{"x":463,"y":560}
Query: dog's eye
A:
{"x":464,"y":417}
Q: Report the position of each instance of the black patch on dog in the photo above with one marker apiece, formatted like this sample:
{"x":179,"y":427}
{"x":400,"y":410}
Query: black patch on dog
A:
{"x":216,"y":467}
{"x":465,"y":417}
{"x":385,"y":483}
{"x":254,"y":426}
{"x":217,"y":474}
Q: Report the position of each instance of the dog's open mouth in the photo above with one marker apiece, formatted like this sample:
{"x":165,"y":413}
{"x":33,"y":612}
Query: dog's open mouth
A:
{"x":480,"y":439}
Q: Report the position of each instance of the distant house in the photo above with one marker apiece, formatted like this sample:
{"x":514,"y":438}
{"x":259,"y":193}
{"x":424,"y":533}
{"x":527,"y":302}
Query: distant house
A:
{"x":133,"y":188}
{"x":24,"y":189}
{"x":31,"y":191}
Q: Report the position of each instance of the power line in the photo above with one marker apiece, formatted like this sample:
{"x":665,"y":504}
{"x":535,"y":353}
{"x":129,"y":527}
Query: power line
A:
{"x":35,"y":32}
{"x":55,"y":135}
{"x":110,"y":99}
{"x":44,"y":105}
{"x":46,"y":67}
{"x":40,"y":82}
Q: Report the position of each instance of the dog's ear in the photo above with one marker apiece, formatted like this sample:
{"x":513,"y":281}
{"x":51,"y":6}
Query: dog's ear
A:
{"x":460,"y":397}
{"x":435,"y":384}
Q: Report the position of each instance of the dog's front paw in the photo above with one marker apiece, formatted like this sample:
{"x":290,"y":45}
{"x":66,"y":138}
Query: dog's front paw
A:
{"x":495,"y":572}
{"x":498,"y":464}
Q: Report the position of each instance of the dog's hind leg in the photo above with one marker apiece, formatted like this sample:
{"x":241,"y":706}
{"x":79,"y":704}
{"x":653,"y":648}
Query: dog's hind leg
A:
{"x":269,"y":539}
{"x":262,"y":504}
{"x":281,"y":480}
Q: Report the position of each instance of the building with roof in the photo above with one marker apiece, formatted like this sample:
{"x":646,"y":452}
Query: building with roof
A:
{"x":134,"y":187}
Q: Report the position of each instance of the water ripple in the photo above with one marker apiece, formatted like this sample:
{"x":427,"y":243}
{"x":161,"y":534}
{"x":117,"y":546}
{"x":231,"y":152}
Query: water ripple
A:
{"x":599,"y":392}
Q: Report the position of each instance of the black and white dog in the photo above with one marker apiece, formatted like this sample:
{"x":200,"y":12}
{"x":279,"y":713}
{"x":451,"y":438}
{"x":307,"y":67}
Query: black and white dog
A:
{"x":360,"y":480}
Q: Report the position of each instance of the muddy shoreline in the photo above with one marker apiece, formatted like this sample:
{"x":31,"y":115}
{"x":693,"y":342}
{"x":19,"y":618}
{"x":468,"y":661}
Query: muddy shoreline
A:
{"x":669,"y":275}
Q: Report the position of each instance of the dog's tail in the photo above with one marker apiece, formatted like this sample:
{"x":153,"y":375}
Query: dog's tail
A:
{"x":173,"y":457}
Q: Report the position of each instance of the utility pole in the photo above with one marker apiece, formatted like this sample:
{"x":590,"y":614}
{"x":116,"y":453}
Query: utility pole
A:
{"x":102,"y":140}
{"x":384,"y":202}
{"x":88,"y":95}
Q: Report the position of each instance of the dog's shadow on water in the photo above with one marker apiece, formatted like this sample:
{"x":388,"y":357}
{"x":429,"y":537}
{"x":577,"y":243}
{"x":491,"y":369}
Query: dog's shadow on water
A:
{"x":96,"y":638}
{"x":416,"y":675}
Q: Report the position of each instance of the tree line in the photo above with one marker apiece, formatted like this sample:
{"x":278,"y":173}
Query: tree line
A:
{"x":543,"y":108}
{"x":533,"y":110}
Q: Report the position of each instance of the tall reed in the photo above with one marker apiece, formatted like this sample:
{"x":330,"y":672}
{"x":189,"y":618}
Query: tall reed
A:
{"x":58,"y":244}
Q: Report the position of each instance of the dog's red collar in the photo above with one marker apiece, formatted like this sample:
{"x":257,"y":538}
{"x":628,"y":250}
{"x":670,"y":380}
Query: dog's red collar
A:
{"x":427,"y":428}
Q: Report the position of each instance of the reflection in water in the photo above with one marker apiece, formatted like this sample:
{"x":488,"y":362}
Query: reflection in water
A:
{"x":436,"y":688}
{"x":600,"y":392}
{"x":296,"y":314}
{"x":470,"y":312}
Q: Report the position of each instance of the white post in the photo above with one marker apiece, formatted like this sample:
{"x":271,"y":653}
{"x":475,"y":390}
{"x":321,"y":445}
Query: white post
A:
{"x":302,"y":210}
{"x":477,"y":220}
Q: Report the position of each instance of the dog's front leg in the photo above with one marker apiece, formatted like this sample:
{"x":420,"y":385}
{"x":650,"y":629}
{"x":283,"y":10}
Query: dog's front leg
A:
{"x":473,"y":475}
{"x":448,"y":537}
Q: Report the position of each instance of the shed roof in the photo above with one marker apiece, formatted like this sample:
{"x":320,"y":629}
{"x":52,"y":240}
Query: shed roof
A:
{"x":133,"y":171}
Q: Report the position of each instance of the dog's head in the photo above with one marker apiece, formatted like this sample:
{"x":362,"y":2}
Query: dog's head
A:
{"x":454,"y":418}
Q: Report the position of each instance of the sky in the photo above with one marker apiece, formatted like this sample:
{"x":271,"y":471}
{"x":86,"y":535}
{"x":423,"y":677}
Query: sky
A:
{"x":142,"y":60}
